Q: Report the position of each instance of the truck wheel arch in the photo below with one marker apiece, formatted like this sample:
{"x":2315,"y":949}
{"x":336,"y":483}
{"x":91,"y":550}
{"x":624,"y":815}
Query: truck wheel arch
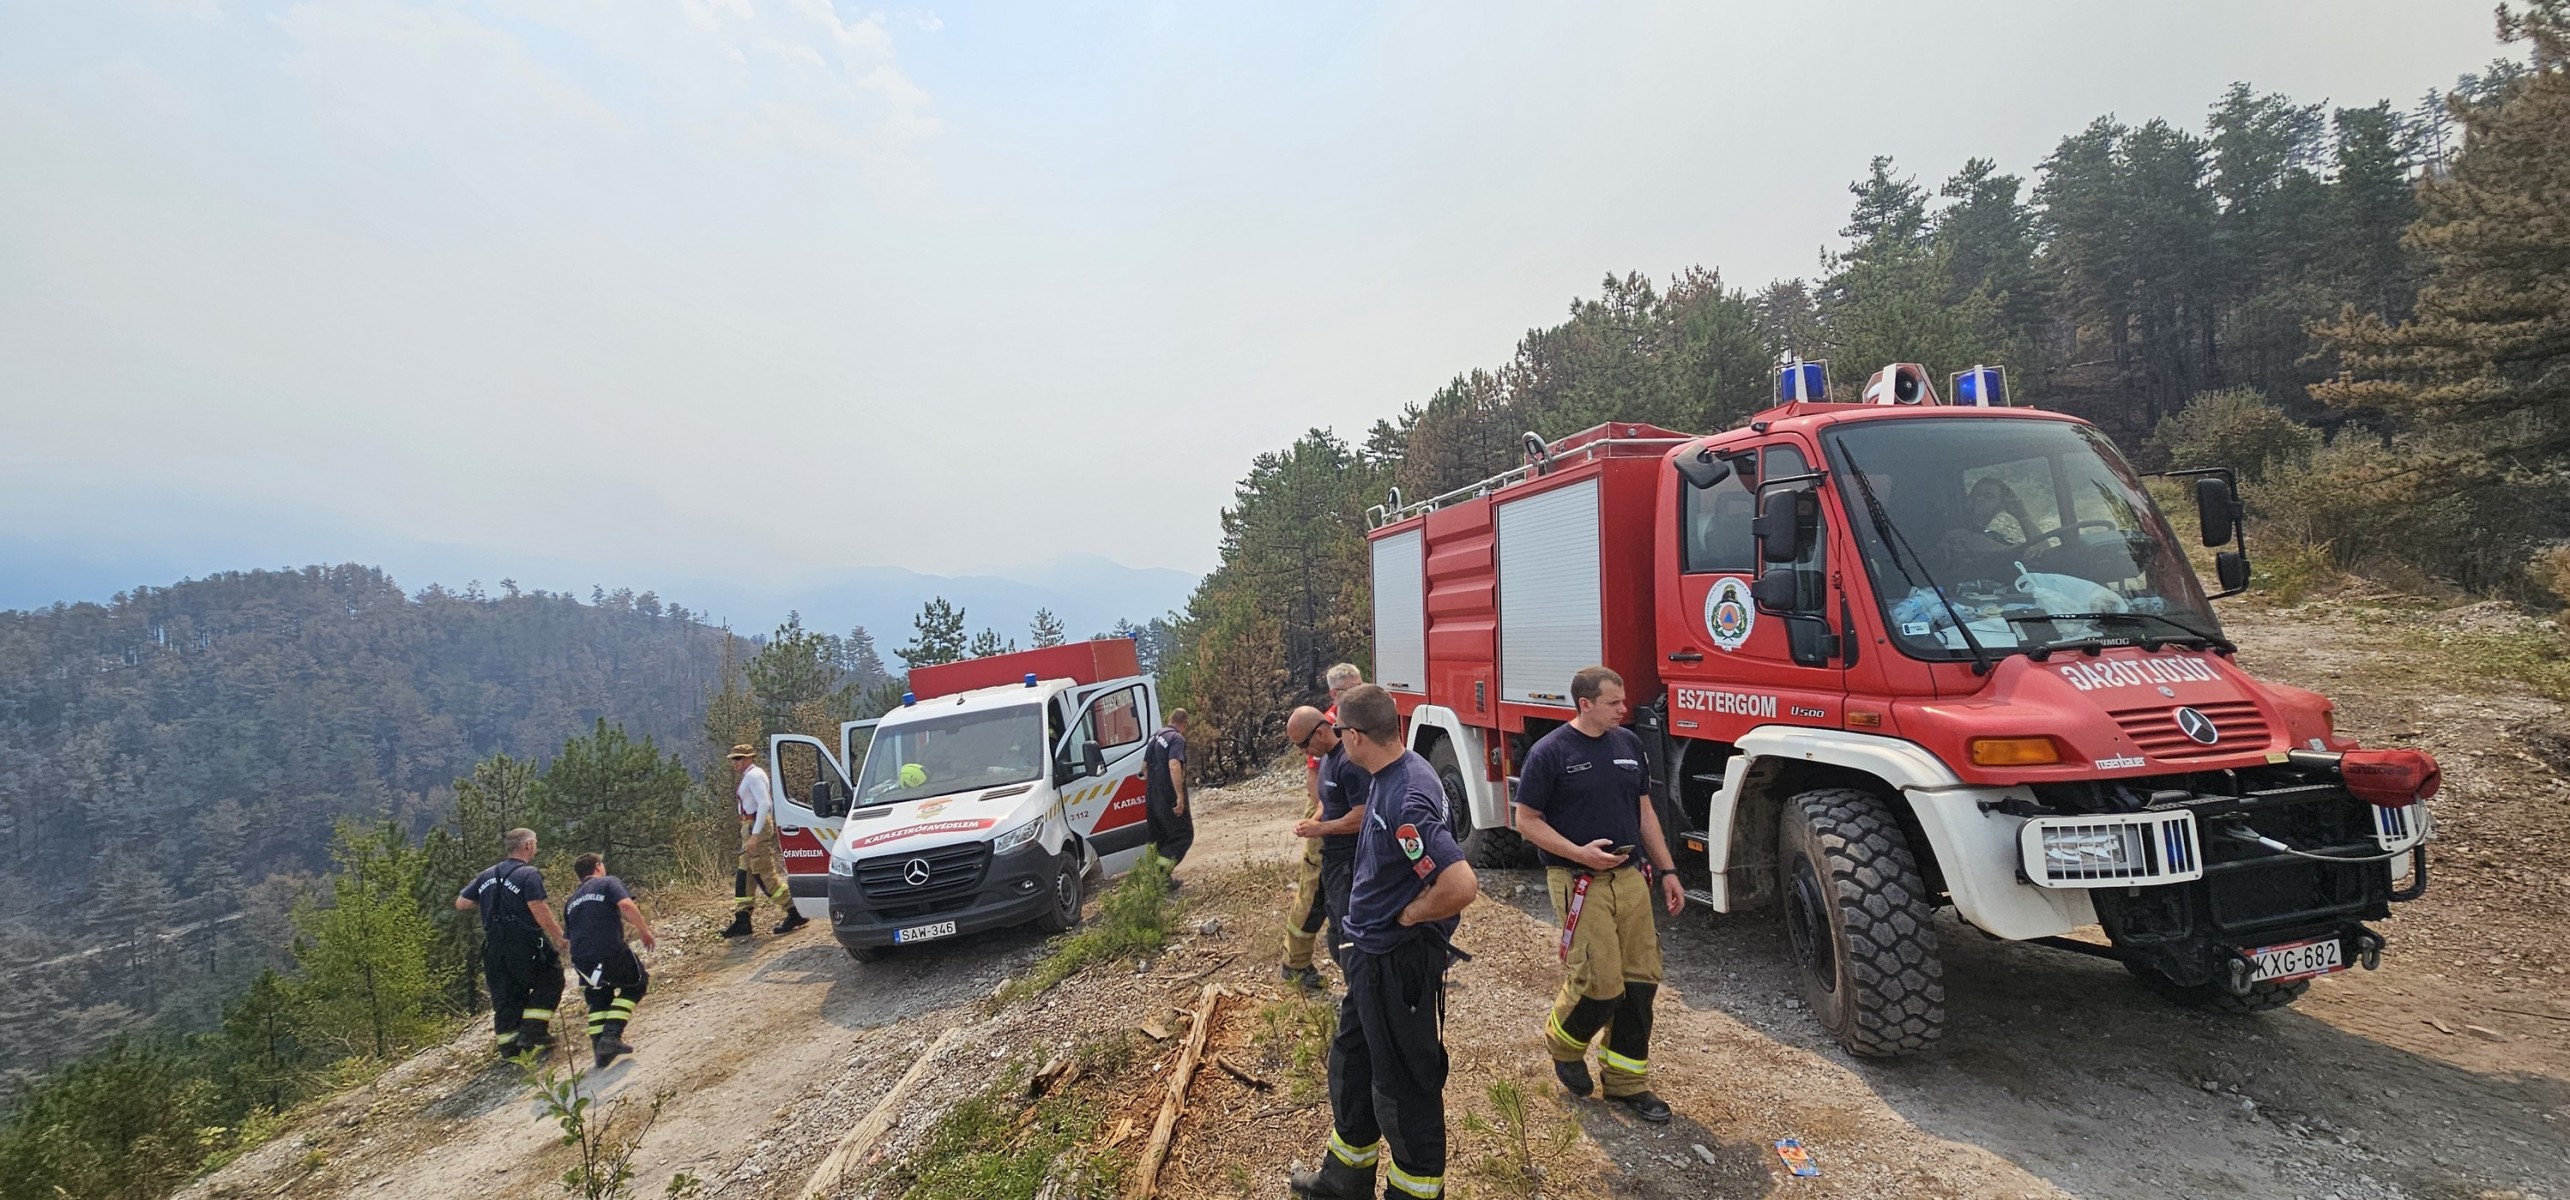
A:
{"x":1965,"y":852}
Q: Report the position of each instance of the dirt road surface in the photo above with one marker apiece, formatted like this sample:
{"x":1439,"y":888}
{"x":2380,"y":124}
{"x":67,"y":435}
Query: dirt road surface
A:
{"x":2444,"y":1076}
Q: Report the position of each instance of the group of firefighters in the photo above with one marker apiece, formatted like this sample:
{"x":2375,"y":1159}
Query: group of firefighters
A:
{"x":523,"y":943}
{"x":1382,"y":871}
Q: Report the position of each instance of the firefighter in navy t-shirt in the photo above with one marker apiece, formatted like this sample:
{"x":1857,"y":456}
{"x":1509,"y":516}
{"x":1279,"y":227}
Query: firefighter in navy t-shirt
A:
{"x":521,"y":955}
{"x":1388,"y":1060}
{"x":1331,"y":831}
{"x":1584,"y":800}
{"x":1311,"y":903}
{"x":1164,"y":791}
{"x":612,"y":979}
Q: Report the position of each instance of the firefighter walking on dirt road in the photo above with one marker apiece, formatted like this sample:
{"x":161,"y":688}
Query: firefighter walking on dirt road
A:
{"x":1584,"y":801}
{"x":1311,"y":905}
{"x":757,"y":873}
{"x":521,"y":947}
{"x":612,"y":979}
{"x":1164,"y":792}
{"x":1387,"y":1063}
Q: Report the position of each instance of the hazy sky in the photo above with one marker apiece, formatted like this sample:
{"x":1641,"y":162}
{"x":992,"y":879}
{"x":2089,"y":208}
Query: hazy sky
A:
{"x":789,"y":284}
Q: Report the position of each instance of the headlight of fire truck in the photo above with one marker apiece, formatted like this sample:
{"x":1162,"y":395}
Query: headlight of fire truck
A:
{"x":1018,"y":838}
{"x":842,"y":866}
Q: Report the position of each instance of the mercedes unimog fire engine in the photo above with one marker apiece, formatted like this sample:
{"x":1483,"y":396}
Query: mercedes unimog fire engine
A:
{"x":1896,"y":655}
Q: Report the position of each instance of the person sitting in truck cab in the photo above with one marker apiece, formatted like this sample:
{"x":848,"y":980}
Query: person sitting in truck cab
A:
{"x":1994,"y":527}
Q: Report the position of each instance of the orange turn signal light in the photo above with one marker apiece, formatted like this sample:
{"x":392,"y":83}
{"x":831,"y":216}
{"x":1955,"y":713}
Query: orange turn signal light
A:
{"x":2015,"y":752}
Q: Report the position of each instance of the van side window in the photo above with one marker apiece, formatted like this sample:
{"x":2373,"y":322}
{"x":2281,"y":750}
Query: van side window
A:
{"x":1811,"y":573}
{"x":1115,"y":720}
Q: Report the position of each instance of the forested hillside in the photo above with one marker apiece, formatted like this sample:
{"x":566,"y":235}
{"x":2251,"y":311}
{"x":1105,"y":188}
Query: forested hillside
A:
{"x":2359,"y":306}
{"x":173,"y":762}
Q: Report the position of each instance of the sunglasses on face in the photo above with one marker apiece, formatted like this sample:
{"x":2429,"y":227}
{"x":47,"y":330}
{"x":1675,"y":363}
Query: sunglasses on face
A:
{"x":1305,"y":742}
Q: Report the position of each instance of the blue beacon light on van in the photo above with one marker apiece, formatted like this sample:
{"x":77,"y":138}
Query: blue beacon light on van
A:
{"x":1030,"y":679}
{"x":908,"y":699}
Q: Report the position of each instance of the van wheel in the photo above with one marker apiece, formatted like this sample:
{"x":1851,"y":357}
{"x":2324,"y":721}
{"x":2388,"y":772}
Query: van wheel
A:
{"x":868,"y":954}
{"x":1856,"y":914}
{"x":1481,"y":847}
{"x":1063,"y":915}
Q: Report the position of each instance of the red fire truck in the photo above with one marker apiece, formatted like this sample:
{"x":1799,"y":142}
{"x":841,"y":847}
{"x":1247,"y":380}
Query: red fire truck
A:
{"x":1900,"y":655}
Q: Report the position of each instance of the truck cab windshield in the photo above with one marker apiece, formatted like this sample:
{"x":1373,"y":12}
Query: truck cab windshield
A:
{"x":2035,"y":529}
{"x":954,"y":752}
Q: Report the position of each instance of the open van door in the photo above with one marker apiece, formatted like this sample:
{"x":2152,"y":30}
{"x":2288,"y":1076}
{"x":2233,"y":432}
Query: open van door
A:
{"x":810,"y":789}
{"x":1098,"y":769}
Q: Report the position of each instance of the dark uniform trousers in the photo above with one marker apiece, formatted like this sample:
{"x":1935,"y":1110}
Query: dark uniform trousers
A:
{"x":525,"y":974}
{"x":1172,"y":831}
{"x":1388,"y":1066}
{"x":613,"y":986}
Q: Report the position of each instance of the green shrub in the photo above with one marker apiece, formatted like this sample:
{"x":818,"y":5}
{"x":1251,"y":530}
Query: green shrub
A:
{"x":2236,"y":429}
{"x":1132,"y":921}
{"x":127,"y":1123}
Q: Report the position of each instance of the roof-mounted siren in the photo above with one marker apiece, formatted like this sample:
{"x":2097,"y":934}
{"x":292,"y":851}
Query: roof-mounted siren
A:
{"x":1981,"y":387}
{"x":1799,"y":380}
{"x":1904,"y":384}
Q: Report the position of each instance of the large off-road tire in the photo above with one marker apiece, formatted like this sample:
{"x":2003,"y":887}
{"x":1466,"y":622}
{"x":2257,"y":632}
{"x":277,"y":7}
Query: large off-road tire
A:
{"x":1481,"y":847}
{"x":2213,"y":997}
{"x":1856,"y":917}
{"x":1063,"y":915}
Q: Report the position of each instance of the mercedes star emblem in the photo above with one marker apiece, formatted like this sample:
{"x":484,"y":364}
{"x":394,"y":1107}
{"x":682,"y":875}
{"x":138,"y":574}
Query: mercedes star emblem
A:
{"x":2197,"y":726}
{"x":915,"y":872}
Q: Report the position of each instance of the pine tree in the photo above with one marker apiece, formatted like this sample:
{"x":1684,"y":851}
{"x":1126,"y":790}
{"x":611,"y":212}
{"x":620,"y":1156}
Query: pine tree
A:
{"x":939,"y":637}
{"x":364,"y":947}
{"x":987,"y":643}
{"x":794,"y":677}
{"x":617,"y":797}
{"x":1046,"y":629}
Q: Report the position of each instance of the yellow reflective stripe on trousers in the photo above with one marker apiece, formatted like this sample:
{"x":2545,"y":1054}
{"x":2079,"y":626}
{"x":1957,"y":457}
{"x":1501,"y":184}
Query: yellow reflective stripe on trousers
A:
{"x":535,"y":1014}
{"x":1351,"y":1155}
{"x":1562,"y":1037}
{"x":1426,"y":1186}
{"x":621,"y":1006}
{"x":1630,"y":1066}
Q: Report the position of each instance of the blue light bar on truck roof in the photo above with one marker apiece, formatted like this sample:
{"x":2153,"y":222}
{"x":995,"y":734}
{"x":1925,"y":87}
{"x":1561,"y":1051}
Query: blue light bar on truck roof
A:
{"x":1981,"y":387}
{"x":1799,"y":380}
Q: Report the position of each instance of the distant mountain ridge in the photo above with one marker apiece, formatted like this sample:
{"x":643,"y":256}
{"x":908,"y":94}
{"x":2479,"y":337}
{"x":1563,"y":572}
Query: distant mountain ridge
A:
{"x":1089,"y":592}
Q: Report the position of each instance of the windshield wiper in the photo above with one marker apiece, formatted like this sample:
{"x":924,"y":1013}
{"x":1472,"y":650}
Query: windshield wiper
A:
{"x":1900,"y":548}
{"x":2186,"y":633}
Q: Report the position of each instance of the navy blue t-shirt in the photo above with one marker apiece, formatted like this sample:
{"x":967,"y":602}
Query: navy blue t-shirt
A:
{"x":1587,"y":788}
{"x":503,"y":892}
{"x":1402,"y":847}
{"x":1167,"y":746}
{"x":1343,"y":786}
{"x":590,"y":920}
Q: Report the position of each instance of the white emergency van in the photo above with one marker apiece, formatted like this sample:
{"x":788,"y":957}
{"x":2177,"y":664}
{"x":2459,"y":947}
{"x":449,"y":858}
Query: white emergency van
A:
{"x":991,"y":797}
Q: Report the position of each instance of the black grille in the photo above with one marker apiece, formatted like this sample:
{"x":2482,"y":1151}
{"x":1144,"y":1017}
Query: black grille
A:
{"x":954,"y":876}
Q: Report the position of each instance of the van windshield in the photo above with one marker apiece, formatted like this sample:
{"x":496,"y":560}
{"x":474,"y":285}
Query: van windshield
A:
{"x":962,"y":751}
{"x":2035,"y":530}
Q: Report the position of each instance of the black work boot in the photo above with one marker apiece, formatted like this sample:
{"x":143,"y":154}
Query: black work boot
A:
{"x":1574,"y":1075}
{"x":1306,"y":978}
{"x":1646,"y":1106}
{"x":607,"y":1048}
{"x":794,"y":919}
{"x":740,"y":926}
{"x":1334,"y":1181}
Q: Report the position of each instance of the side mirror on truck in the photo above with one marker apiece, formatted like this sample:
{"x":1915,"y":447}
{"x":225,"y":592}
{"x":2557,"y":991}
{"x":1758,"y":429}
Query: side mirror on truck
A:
{"x":1702,"y":470}
{"x":1777,"y":590}
{"x":827,"y":799}
{"x":1784,"y":518}
{"x":1092,"y":759}
{"x":2232,"y":568}
{"x":2217,"y":510}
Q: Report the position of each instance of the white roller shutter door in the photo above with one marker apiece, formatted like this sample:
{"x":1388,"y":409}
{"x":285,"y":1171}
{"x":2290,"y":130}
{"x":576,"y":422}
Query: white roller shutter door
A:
{"x":1400,"y":614}
{"x":1550,"y":618}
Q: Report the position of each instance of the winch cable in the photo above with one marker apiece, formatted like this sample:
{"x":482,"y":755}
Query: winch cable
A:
{"x":2245,"y":834}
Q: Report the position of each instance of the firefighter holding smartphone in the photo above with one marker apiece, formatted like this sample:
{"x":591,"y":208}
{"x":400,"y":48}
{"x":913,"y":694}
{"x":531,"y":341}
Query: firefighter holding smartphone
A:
{"x":1584,"y":800}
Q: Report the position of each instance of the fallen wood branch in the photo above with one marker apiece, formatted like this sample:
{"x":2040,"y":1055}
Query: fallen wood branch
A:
{"x":1148,"y":1178}
{"x":852,"y":1148}
{"x":1241,"y":1075}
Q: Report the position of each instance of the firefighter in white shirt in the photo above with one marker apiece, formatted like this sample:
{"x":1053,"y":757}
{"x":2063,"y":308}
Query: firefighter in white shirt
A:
{"x":757,"y":873}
